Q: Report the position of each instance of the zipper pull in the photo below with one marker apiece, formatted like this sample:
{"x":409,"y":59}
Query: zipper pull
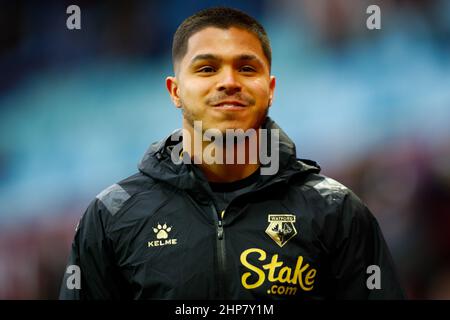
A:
{"x":220,"y":230}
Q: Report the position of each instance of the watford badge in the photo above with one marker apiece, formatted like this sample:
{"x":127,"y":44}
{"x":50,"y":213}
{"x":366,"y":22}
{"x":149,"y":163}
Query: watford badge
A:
{"x":281,"y":228}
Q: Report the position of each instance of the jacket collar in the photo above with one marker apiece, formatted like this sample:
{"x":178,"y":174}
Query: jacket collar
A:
{"x":157,"y":163}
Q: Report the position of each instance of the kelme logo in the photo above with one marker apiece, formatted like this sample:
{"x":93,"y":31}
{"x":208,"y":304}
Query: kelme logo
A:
{"x":162,"y":235}
{"x":281,"y":228}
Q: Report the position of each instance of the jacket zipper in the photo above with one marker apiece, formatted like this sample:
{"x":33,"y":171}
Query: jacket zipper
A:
{"x":221,"y":250}
{"x":221,"y":254}
{"x":220,"y":247}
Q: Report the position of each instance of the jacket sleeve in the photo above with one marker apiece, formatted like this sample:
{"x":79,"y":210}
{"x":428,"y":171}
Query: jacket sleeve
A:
{"x":361,"y":263}
{"x":91,"y":272}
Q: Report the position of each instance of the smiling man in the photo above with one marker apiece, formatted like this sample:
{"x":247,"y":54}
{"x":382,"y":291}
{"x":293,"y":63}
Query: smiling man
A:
{"x":184,"y":227}
{"x":223,"y":81}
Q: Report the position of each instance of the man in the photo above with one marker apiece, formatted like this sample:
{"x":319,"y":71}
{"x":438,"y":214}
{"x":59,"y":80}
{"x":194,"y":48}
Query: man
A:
{"x":212,"y":218}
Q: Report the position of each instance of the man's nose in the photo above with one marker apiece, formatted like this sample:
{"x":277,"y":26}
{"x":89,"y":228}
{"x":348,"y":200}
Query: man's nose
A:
{"x":229,"y":82}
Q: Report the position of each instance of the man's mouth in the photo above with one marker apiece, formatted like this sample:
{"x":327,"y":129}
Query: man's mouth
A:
{"x":230,"y":104}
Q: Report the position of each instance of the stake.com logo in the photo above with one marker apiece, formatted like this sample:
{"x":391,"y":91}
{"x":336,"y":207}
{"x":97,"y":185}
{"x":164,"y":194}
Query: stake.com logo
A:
{"x":302,"y":275}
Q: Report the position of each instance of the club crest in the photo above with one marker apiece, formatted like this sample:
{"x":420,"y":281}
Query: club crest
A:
{"x":281,"y":228}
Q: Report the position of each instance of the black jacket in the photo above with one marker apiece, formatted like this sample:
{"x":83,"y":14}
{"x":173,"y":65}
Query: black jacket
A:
{"x":296,"y":235}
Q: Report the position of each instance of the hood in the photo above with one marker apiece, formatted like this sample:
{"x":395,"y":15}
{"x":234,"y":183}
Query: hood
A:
{"x":157,"y":162}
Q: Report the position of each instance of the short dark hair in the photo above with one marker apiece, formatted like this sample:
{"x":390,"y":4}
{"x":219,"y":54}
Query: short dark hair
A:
{"x":219,"y":17}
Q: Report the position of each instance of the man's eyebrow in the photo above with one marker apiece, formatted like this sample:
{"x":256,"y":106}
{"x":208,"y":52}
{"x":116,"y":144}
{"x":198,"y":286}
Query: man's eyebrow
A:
{"x":205,"y":56}
{"x":210,"y":56}
{"x":248,"y":57}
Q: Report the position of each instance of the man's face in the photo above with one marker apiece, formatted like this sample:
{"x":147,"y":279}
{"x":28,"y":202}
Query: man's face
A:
{"x":223,"y":80}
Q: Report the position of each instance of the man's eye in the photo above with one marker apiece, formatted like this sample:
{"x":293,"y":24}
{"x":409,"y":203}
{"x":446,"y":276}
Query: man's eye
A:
{"x":247,"y":69}
{"x":206,"y":69}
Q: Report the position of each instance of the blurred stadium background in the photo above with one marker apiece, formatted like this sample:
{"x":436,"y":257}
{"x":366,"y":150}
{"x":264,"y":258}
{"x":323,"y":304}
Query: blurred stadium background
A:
{"x":79,"y":108}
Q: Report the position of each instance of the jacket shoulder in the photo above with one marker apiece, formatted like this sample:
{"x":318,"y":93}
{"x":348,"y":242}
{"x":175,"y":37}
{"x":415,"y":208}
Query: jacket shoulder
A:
{"x":114,"y":197}
{"x":327,"y":189}
{"x":337,"y":201}
{"x":336,"y":195}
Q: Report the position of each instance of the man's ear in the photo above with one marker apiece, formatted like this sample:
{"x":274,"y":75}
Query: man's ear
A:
{"x":172,"y":87}
{"x":272,"y":85}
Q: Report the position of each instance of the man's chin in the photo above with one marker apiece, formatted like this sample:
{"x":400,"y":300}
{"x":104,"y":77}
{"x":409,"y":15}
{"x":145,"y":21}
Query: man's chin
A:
{"x":224,"y":125}
{"x":234,"y":126}
{"x":243,"y":123}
